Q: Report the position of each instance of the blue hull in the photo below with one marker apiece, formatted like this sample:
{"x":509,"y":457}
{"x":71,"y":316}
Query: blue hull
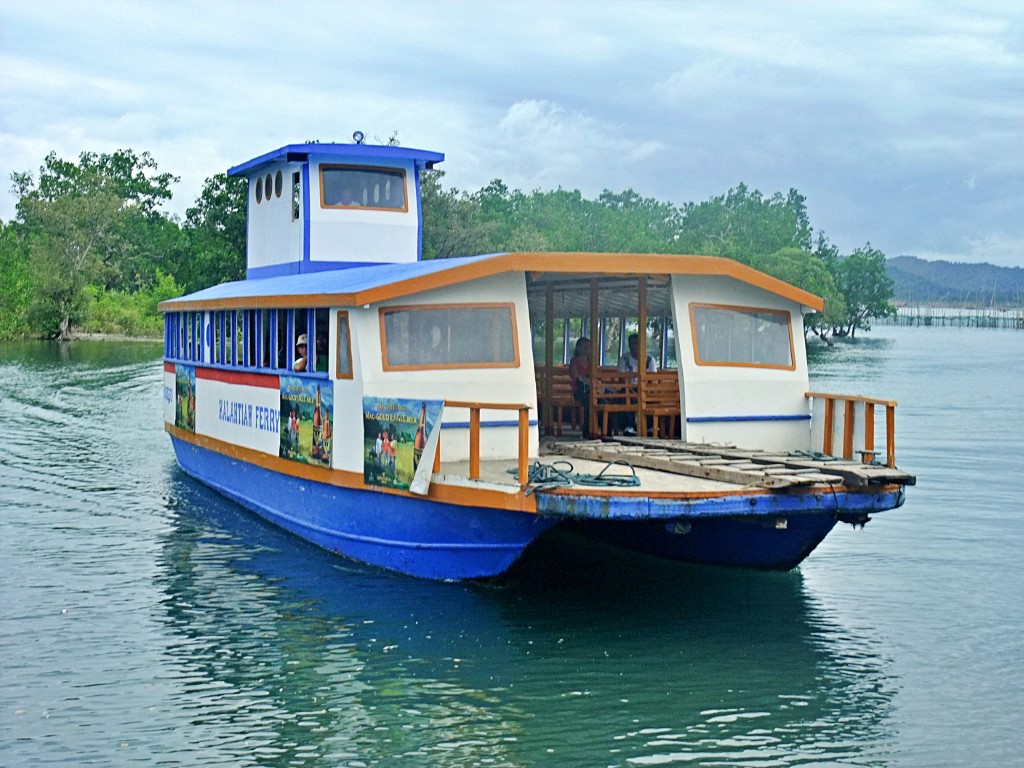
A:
{"x":422,"y":538}
{"x":748,"y":542}
{"x":436,"y":540}
{"x":774,"y":531}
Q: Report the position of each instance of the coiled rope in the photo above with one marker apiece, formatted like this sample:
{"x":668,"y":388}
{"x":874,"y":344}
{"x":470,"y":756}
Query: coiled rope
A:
{"x":560,"y":474}
{"x":813,"y":455}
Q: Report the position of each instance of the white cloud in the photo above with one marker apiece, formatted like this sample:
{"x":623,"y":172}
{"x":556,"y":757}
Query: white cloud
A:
{"x":902,"y":123}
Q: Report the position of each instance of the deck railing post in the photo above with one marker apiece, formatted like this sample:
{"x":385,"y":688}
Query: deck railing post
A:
{"x":474,"y":443}
{"x":524,"y":447}
{"x":869,"y":432}
{"x":848,"y":421}
{"x":890,"y":435}
{"x":829,"y":429}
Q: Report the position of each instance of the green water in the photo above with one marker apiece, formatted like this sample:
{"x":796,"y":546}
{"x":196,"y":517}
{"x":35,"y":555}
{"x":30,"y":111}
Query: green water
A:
{"x":146,"y":621}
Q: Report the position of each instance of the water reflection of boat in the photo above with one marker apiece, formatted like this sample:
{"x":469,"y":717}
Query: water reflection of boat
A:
{"x":312,"y":658}
{"x":375,"y":403}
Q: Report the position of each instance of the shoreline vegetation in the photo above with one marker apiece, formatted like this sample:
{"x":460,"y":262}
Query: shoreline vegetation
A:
{"x":90,"y":252}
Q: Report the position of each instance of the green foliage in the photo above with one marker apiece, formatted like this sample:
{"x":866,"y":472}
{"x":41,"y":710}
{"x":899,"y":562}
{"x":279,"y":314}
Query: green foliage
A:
{"x":91,"y":222}
{"x":67,"y":238}
{"x":805,"y":270}
{"x":745,"y":225}
{"x":130,"y":177}
{"x":499,"y":219}
{"x":15,"y":283}
{"x":128,"y":313}
{"x":867,"y":288}
{"x":215,"y":230}
{"x":453,"y":222}
{"x":90,"y":249}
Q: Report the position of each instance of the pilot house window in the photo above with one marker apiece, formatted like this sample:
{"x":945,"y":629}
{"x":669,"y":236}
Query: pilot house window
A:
{"x":351,"y":186}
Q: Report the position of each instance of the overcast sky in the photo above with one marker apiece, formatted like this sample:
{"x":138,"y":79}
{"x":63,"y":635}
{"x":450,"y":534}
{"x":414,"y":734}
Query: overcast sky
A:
{"x":901,"y":122}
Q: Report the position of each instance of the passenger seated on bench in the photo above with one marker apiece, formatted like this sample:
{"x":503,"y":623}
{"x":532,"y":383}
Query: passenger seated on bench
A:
{"x":579,"y":379}
{"x":631,"y":362}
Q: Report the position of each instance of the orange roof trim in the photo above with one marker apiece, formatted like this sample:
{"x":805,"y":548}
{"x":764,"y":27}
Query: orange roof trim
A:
{"x":595,"y":264}
{"x":591,"y":264}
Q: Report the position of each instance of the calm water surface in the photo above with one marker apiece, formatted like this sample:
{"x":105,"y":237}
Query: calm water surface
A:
{"x":146,"y":621}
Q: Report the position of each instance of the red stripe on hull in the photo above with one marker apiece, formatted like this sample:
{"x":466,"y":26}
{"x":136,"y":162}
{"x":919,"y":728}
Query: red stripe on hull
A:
{"x":269,"y":381}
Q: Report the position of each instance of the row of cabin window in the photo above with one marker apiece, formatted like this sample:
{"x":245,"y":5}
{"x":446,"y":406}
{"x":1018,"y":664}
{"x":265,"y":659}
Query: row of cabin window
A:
{"x":722,"y":335}
{"x":416,"y":337}
{"x":459,"y":336}
{"x":611,"y":335}
{"x":251,"y":338}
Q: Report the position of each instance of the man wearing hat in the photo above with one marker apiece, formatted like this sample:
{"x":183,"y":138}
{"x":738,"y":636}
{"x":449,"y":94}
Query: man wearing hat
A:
{"x":301,"y":353}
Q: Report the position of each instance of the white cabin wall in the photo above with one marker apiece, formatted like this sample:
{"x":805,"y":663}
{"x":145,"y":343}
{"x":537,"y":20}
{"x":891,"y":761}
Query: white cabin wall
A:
{"x":498,"y":385}
{"x":348,"y":395}
{"x":724,"y":391}
{"x":361,"y":236}
{"x":274,"y":236}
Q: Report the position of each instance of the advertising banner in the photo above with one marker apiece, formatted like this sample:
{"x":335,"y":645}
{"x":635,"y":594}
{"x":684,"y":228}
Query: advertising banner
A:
{"x":399,"y":441}
{"x":307,"y":432}
{"x":185,"y":397}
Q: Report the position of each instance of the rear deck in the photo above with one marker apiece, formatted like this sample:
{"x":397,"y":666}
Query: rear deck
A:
{"x":666,"y":467}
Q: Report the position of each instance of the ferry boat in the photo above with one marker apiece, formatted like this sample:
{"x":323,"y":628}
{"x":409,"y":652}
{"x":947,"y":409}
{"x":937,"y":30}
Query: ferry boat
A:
{"x":419,"y":415}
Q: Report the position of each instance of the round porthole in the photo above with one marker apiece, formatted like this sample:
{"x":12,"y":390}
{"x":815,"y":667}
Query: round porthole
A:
{"x":259,"y":190}
{"x":278,"y":184}
{"x":268,"y":186}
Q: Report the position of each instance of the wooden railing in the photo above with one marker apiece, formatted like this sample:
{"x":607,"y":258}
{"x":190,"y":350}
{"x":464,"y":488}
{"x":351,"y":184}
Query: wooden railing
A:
{"x":523,"y":451}
{"x":852,"y":426}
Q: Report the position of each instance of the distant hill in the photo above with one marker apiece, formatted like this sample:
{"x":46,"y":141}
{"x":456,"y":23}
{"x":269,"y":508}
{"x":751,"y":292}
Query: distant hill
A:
{"x":944,"y":283}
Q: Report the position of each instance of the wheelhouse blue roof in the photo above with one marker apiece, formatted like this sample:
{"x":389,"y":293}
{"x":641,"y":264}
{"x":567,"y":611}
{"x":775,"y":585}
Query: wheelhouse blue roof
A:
{"x":332,"y":282}
{"x":297,"y":153}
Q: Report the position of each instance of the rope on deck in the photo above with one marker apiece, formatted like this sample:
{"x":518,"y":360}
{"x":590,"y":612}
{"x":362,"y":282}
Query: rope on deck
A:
{"x":560,"y":474}
{"x":814,"y":456}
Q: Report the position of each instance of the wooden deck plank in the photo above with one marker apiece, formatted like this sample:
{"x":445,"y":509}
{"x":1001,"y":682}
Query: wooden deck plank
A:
{"x":737,"y":472}
{"x":746,"y":466}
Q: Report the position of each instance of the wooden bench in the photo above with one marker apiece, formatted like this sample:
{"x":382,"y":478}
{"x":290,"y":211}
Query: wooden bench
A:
{"x":659,"y":399}
{"x":613,"y":392}
{"x":564,"y":408}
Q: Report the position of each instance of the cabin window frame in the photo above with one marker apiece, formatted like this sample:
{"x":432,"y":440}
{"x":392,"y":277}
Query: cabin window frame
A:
{"x":508,"y":306}
{"x":344,"y":337}
{"x":696,"y":342}
{"x":368,"y":206}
